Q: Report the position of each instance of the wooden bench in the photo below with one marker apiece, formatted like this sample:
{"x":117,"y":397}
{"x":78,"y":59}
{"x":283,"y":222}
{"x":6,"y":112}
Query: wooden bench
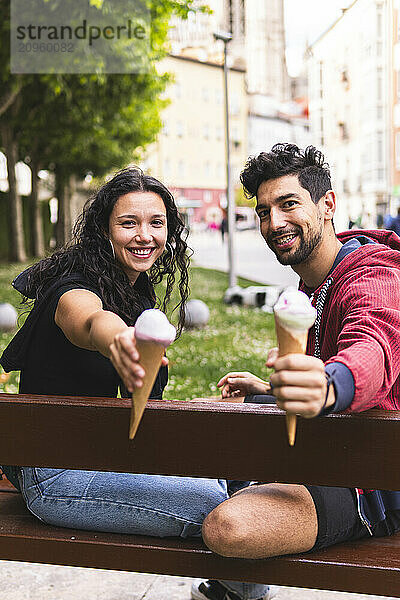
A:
{"x":235,"y":441}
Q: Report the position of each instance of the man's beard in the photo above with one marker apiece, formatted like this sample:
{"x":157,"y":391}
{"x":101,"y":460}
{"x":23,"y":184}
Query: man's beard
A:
{"x":306,"y":245}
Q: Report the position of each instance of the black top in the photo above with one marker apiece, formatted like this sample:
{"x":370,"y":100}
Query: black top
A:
{"x":51,"y":365}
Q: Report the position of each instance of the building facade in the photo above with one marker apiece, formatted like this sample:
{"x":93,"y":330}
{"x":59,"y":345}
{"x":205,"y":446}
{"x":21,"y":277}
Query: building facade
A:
{"x":190,"y":153}
{"x":258,"y":41}
{"x":268,"y":124}
{"x":351,"y":109}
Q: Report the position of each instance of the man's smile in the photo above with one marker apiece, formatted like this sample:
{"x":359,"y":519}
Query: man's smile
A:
{"x":285,"y":241}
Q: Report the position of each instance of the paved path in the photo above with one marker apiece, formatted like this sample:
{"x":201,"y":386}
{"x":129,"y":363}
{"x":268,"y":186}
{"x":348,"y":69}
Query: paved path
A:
{"x":254,"y":260}
{"x":24,"y":581}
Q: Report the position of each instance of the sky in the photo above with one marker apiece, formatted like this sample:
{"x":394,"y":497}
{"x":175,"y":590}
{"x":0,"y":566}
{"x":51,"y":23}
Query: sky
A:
{"x":305,"y":20}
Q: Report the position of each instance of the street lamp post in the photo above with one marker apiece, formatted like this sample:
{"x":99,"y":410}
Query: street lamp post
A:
{"x":226,"y":38}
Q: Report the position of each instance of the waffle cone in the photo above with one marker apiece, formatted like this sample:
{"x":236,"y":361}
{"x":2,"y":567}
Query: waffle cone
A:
{"x":150,"y":356}
{"x":290,"y":341}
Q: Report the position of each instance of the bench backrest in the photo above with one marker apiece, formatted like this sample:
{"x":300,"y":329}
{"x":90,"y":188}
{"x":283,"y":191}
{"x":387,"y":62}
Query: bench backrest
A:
{"x":236,"y":441}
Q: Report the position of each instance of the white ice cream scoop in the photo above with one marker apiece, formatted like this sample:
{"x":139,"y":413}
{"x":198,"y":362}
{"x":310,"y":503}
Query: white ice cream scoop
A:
{"x":153,"y":326}
{"x":294,"y":310}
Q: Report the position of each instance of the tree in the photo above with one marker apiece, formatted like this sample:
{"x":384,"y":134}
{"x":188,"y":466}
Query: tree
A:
{"x":79,"y":123}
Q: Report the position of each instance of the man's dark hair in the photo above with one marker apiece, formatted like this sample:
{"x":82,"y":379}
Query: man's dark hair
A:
{"x":288,"y":159}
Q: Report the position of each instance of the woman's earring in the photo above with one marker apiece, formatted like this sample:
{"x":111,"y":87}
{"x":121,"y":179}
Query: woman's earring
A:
{"x":170,"y":249}
{"x":112,"y":248}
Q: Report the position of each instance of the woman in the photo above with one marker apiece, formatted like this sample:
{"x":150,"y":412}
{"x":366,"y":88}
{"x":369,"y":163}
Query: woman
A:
{"x":79,"y":340}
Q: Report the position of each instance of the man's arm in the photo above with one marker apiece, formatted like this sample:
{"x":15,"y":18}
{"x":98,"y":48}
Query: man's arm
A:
{"x":368,"y":344}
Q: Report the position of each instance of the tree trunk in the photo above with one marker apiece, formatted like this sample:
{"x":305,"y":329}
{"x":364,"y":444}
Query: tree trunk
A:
{"x":35,"y":213}
{"x":63,"y":228}
{"x":16,"y":244}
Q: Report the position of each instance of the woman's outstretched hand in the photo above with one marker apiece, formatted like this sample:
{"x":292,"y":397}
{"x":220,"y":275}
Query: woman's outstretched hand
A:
{"x":242,"y":383}
{"x":125,"y":357}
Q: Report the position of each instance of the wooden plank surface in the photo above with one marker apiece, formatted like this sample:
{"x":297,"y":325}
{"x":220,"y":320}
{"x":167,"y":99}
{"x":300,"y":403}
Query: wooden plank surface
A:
{"x":371,"y":566}
{"x":236,"y":441}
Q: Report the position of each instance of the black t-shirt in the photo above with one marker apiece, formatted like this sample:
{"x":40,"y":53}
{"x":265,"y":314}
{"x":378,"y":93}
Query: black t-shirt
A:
{"x":52,"y":365}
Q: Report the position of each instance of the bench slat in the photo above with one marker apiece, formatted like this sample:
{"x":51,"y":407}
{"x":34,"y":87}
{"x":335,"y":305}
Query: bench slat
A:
{"x":235,"y":441}
{"x":371,"y":566}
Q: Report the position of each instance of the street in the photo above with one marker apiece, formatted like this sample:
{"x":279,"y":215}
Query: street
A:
{"x":254,"y":260}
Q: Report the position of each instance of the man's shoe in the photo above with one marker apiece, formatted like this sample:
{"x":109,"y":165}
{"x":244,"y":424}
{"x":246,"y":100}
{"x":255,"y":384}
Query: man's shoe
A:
{"x":211,"y":589}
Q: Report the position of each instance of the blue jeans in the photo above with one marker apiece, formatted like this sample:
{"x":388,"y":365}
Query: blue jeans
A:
{"x":156,"y":505}
{"x":121,"y":502}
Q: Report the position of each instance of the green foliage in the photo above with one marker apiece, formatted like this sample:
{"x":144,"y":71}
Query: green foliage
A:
{"x":241,"y":200}
{"x":89,"y":122}
{"x":8,"y":272}
{"x":235,"y":339}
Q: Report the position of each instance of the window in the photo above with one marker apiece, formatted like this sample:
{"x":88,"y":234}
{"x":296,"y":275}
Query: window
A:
{"x":167,"y":167}
{"x":206,"y":131}
{"x":321,"y":124}
{"x":179,"y":129}
{"x":379,"y":21}
{"x":379,"y":148}
{"x":234,"y":105}
{"x":178,"y":90}
{"x":379,"y":84}
{"x":343,"y":131}
{"x":231,"y":17}
{"x":397,"y":151}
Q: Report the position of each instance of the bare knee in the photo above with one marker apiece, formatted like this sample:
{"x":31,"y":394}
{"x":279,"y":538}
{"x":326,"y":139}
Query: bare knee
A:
{"x":263,"y":521}
{"x":224,"y":531}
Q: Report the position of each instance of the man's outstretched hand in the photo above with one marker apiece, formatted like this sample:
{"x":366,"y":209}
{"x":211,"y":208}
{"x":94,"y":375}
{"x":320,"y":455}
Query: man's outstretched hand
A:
{"x":299,"y":383}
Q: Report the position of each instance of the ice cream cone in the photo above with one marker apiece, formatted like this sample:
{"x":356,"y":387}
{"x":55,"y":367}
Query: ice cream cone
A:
{"x":290,"y":341}
{"x":150,"y":356}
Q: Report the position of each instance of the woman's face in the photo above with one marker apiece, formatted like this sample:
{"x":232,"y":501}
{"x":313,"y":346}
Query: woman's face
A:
{"x":138,"y":231}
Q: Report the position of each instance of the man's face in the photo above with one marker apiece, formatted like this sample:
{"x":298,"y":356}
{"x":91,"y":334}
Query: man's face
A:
{"x":291,"y":223}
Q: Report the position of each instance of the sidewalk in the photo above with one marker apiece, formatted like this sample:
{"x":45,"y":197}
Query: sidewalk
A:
{"x":25,"y":581}
{"x":254,"y":260}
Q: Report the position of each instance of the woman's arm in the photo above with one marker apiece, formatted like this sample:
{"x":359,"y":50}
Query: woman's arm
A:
{"x":84,"y":322}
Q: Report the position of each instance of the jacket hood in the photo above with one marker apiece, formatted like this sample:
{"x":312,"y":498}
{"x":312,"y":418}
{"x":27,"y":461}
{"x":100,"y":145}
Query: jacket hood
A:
{"x":381,"y":236}
{"x":379,"y":248}
{"x":384,"y":251}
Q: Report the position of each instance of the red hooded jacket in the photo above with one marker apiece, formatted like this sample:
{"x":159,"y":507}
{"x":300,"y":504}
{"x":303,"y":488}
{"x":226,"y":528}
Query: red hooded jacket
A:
{"x":360,"y":319}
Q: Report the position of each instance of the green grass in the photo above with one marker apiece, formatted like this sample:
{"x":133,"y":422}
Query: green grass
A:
{"x":7,"y":294}
{"x":235,"y":339}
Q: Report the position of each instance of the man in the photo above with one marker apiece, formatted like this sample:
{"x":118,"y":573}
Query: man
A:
{"x":352,"y":364}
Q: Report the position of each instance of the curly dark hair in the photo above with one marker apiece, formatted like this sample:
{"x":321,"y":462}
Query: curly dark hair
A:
{"x":288,"y":159}
{"x":90,"y":252}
